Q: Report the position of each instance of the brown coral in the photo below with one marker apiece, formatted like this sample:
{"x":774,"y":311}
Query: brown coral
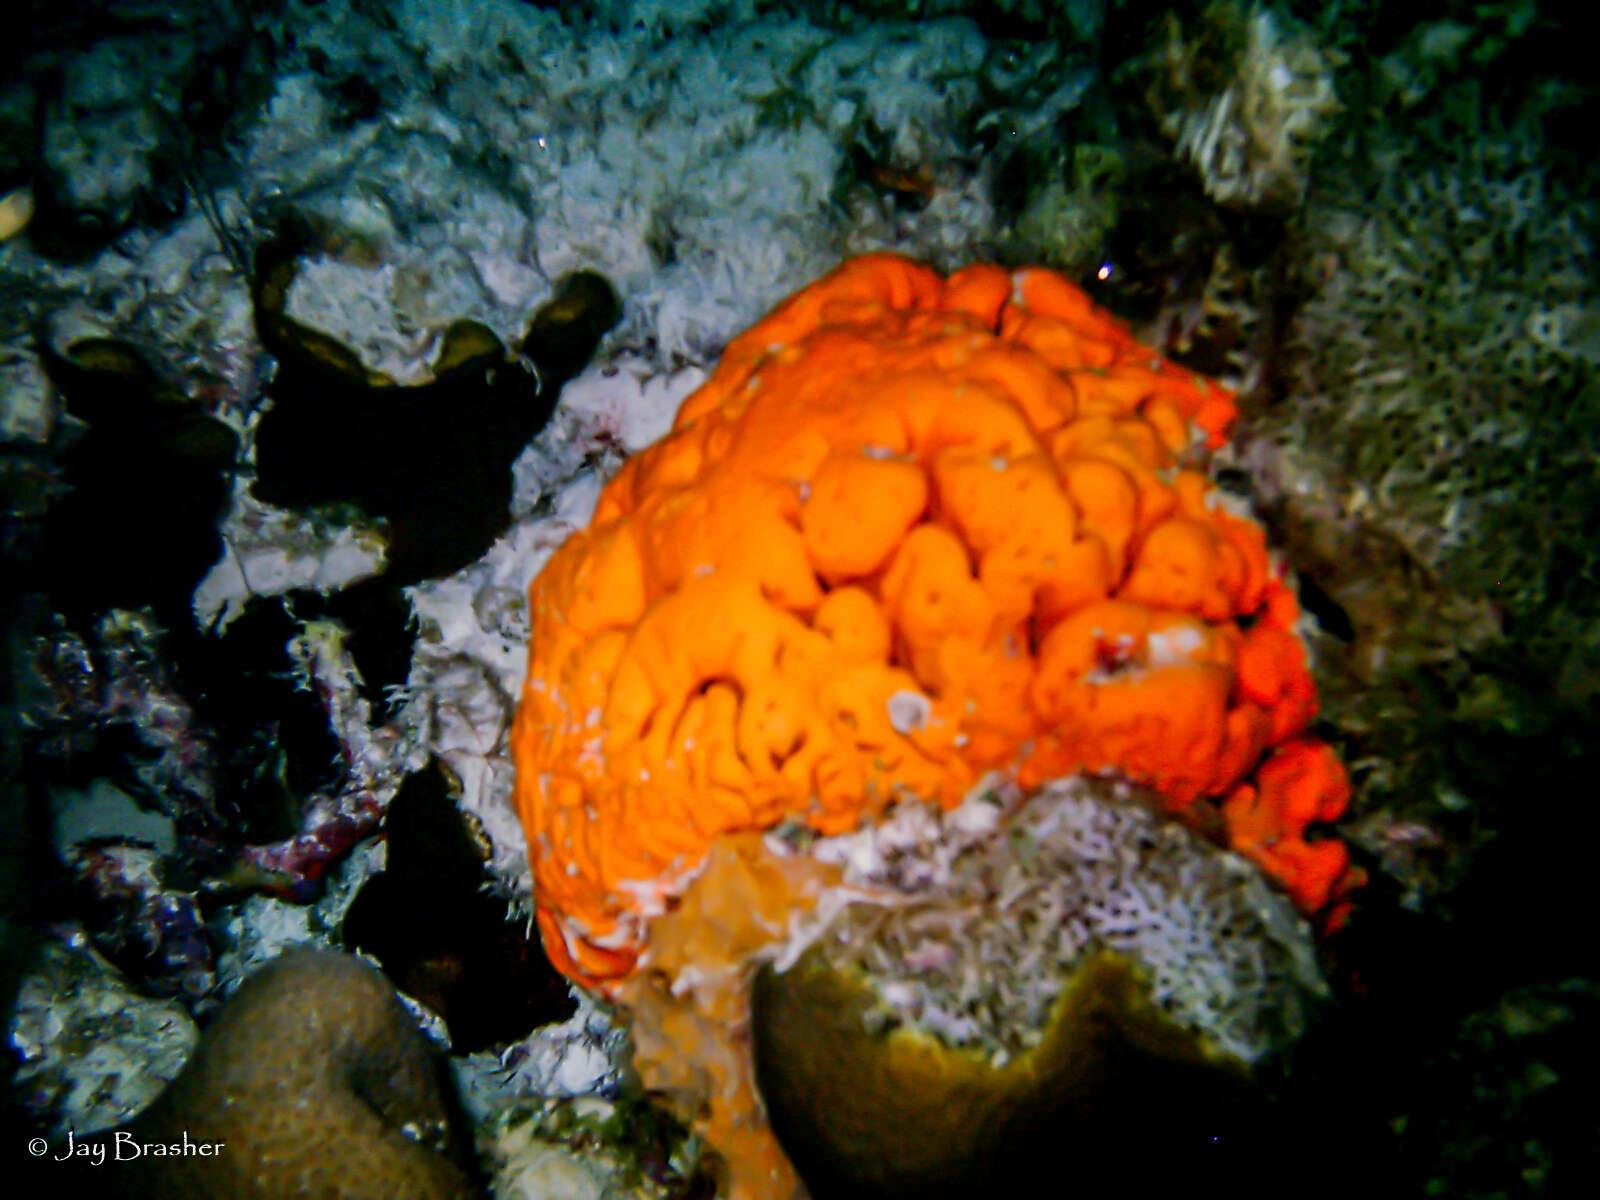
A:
{"x":312,"y":1081}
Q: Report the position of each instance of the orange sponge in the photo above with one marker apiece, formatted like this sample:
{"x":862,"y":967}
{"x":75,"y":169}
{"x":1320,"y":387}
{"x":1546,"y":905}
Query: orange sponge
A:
{"x":911,"y":530}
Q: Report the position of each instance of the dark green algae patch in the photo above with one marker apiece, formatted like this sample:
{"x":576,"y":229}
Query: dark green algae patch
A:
{"x":148,"y":477}
{"x":431,"y":460}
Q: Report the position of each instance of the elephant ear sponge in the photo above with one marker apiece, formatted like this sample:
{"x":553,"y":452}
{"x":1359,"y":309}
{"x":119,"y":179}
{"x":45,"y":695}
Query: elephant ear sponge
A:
{"x":912,"y":530}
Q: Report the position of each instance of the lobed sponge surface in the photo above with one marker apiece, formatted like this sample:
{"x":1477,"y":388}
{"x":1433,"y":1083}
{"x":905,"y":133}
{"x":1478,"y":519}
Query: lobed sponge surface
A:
{"x":913,"y":529}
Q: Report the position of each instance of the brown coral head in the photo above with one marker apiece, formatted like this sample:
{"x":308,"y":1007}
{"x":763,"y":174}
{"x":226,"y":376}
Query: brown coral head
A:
{"x":312,"y":1081}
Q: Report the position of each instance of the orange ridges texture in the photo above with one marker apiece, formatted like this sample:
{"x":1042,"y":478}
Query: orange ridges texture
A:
{"x":911,"y":530}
